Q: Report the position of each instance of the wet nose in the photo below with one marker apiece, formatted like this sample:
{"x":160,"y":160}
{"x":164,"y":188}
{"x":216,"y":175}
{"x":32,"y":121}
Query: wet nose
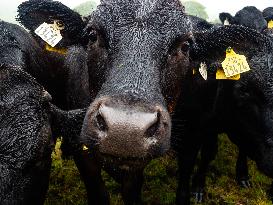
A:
{"x":129,"y":131}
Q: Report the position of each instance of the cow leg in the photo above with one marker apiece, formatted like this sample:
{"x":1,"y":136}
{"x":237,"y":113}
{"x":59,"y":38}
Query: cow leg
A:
{"x":186,"y":162}
{"x":90,"y":171}
{"x":131,"y":187}
{"x":208,"y":153}
{"x":242,"y":176}
{"x":270,"y":192}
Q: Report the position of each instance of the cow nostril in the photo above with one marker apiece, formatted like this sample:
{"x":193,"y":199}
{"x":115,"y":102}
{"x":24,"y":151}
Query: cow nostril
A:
{"x":101,"y":123}
{"x":152,"y":130}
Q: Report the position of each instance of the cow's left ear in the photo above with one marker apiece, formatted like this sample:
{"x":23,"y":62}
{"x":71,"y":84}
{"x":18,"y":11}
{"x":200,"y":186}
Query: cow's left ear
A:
{"x":227,"y":18}
{"x":211,"y":45}
{"x":33,"y":13}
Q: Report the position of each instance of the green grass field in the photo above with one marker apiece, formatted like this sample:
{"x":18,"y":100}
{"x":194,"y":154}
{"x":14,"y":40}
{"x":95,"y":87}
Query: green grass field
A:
{"x":66,"y":187}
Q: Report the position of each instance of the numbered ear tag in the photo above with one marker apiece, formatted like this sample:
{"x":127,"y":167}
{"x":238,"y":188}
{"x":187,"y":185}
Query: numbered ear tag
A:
{"x":220,"y":75}
{"x":226,"y":22}
{"x":203,"y":71}
{"x":270,"y":24}
{"x":234,"y":63}
{"x":49,"y":33}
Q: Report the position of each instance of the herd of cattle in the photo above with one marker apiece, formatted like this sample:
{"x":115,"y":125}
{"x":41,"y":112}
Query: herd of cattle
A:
{"x":126,"y":84}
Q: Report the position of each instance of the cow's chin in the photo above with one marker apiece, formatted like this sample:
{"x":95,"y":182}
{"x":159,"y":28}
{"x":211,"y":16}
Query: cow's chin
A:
{"x":126,"y":164}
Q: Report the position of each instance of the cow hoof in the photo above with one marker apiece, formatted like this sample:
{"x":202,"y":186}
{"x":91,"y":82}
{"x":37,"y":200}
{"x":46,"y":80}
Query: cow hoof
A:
{"x":183,"y":199}
{"x":244,"y":183}
{"x":198,"y":196}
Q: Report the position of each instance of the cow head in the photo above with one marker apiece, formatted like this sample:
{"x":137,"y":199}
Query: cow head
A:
{"x":249,"y":16}
{"x":268,"y":16}
{"x":136,"y":60}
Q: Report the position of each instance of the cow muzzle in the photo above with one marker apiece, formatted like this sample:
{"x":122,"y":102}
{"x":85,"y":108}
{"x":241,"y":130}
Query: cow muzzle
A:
{"x":127,"y":130}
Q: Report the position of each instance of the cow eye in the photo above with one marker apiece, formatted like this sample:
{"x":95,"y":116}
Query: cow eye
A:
{"x":185,"y":46}
{"x":180,"y":46}
{"x":93,"y":35}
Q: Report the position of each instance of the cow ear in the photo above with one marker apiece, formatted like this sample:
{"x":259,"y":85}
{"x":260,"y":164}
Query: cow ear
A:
{"x":226,"y":18}
{"x":268,"y":13}
{"x":211,"y":45}
{"x":33,"y":13}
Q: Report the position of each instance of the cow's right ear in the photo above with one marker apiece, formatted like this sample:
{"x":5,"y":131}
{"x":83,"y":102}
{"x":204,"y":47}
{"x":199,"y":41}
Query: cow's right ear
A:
{"x":33,"y":13}
{"x":226,"y":18}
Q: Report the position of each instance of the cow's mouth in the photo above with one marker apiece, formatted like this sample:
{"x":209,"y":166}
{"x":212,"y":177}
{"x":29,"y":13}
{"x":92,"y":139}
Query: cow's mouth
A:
{"x":125,"y":163}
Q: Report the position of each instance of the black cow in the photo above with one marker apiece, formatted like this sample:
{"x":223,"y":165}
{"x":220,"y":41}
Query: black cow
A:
{"x":28,"y":122}
{"x":26,"y":141}
{"x":249,"y":16}
{"x":240,"y":108}
{"x":210,"y":147}
{"x":131,"y":71}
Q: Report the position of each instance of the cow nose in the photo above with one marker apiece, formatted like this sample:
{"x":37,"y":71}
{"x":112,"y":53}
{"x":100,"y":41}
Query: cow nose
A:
{"x":111,"y":120}
{"x":130,"y":131}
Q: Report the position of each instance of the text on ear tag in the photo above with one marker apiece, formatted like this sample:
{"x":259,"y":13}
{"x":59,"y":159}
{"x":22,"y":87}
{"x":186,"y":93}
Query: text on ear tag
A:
{"x":49,"y":33}
{"x":203,"y":70}
{"x":270,"y":24}
{"x":220,"y":75}
{"x":234,"y":63}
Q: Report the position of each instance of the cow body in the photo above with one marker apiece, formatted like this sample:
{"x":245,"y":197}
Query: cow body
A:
{"x":28,"y":123}
{"x":28,"y":119}
{"x":26,"y":142}
{"x":240,"y":108}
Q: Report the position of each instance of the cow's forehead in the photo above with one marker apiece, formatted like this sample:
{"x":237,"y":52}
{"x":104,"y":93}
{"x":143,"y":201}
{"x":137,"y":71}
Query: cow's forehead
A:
{"x":164,"y":17}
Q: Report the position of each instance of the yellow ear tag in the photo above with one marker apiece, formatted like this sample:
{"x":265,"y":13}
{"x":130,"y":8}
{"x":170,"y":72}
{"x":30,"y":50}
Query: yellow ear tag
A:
{"x":193,"y":71}
{"x":270,"y":24}
{"x":61,"y":51}
{"x":220,"y":75}
{"x":234,"y":63}
{"x":84,"y":148}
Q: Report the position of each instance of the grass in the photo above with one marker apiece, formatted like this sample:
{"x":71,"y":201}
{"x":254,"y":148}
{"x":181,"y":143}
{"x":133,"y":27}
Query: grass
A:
{"x":66,"y":187}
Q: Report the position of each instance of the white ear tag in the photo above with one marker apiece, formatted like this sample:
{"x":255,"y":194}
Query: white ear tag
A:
{"x":226,"y":22}
{"x":203,"y":71}
{"x":49,"y":33}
